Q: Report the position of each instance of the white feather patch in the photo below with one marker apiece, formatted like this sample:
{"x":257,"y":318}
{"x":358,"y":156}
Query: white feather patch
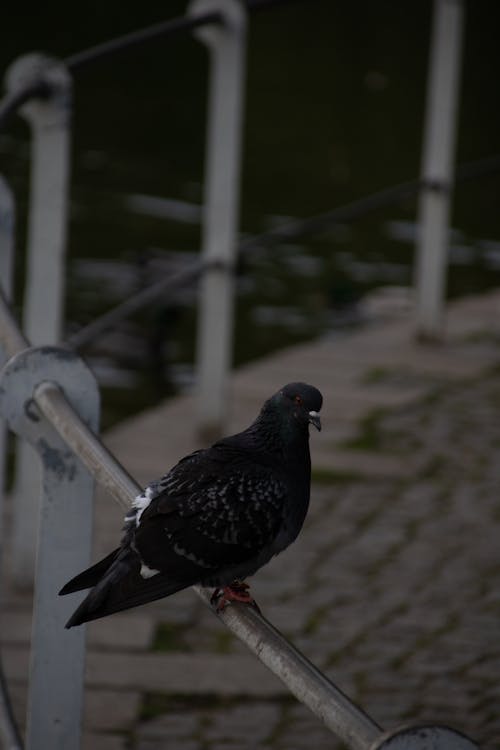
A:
{"x":148,"y":572}
{"x":141,"y":502}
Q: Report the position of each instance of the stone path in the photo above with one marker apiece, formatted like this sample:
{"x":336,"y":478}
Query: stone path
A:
{"x":393,"y":588}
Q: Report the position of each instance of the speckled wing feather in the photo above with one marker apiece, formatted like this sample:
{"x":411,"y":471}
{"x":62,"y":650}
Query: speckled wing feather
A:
{"x":213,"y":509}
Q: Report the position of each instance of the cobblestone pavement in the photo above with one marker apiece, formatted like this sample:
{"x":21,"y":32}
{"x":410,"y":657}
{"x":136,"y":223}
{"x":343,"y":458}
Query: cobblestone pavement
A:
{"x":392,"y":589}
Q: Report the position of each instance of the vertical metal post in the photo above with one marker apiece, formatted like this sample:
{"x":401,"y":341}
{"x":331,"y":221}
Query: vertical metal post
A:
{"x":64,"y":540}
{"x":49,"y":119}
{"x":6,"y":274}
{"x":9,"y":734}
{"x":423,"y":737}
{"x":227,"y":46}
{"x":437,"y":166}
{"x":10,"y":737}
{"x":7,"y":218}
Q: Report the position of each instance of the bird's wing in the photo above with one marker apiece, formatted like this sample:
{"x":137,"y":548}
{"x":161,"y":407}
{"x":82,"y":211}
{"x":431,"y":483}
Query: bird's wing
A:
{"x":214,"y":512}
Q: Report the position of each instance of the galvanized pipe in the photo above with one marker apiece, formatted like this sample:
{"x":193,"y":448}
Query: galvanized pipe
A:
{"x":9,"y":734}
{"x":301,"y":677}
{"x":85,"y":444}
{"x":7,"y":215}
{"x":64,"y":539}
{"x":10,"y":738}
{"x":50,"y":125}
{"x":226,"y":44}
{"x":441,"y":125}
{"x":11,"y":338}
{"x":52,"y":403}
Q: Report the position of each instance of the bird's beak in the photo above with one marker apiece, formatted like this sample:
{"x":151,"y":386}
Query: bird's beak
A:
{"x":315,"y":420}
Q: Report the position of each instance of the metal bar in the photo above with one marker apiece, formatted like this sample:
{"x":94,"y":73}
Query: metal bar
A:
{"x":11,"y":337}
{"x":85,"y":444}
{"x":10,"y":738}
{"x":128,"y":307}
{"x":227,"y":48}
{"x":136,"y":38}
{"x":437,"y":167}
{"x":7,"y":216}
{"x":302,"y":678}
{"x":6,"y":277}
{"x":84,"y":58}
{"x":64,"y":539}
{"x":325,"y":700}
{"x":157,"y":31}
{"x":286,"y":232}
{"x":49,"y":120}
{"x":422,"y":737}
{"x":9,"y":733}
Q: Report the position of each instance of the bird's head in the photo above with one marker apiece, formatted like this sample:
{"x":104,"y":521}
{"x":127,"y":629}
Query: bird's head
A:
{"x":300,"y":402}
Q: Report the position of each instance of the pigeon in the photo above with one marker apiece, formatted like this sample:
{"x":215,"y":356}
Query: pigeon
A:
{"x":215,"y":518}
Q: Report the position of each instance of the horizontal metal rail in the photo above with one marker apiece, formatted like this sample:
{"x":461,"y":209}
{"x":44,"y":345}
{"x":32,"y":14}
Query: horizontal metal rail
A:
{"x":142,"y":36}
{"x":287,"y":232}
{"x":85,"y":58}
{"x":301,"y":677}
{"x":158,"y":31}
{"x":133,"y":304}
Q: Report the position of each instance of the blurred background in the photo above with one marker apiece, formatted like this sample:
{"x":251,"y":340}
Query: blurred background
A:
{"x":392,"y":588}
{"x":334,"y":112}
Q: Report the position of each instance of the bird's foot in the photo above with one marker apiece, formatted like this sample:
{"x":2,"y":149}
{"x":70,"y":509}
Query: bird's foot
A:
{"x":237,"y":591}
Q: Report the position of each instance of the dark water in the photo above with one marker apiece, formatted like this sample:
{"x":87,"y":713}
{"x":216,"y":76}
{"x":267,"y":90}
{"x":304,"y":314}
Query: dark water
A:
{"x":334,"y":111}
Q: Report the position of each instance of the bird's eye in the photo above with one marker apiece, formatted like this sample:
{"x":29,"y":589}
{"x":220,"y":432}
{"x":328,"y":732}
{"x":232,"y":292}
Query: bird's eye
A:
{"x":298,"y":400}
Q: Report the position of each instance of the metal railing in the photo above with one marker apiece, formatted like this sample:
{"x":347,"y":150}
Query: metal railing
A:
{"x":42,"y":79}
{"x":221,"y":26}
{"x":288,"y":232}
{"x":34,"y":388}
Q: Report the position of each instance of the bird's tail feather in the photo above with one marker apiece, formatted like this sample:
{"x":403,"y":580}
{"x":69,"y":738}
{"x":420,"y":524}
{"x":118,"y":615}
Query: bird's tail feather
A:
{"x":122,"y":587}
{"x":91,"y":576}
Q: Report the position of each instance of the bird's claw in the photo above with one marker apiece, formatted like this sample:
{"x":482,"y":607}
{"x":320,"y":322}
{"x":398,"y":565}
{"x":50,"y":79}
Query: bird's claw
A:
{"x":238,"y":591}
